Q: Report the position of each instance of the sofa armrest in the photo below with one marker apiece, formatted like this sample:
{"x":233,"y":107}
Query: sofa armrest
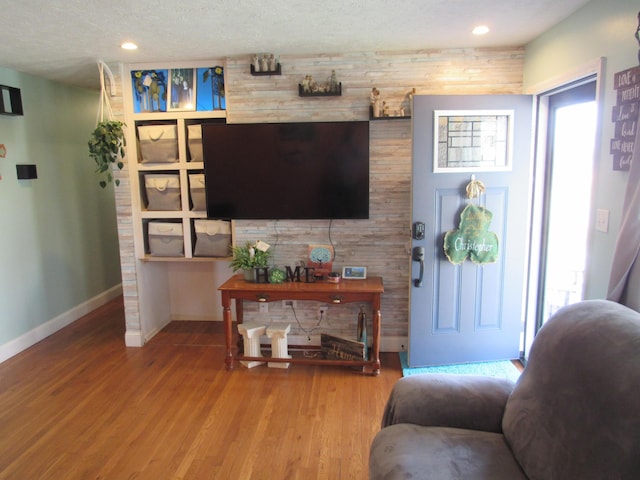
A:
{"x":446,"y":400}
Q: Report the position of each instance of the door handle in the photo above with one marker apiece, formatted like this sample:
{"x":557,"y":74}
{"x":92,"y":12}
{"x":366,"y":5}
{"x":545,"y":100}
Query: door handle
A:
{"x":418,"y":256}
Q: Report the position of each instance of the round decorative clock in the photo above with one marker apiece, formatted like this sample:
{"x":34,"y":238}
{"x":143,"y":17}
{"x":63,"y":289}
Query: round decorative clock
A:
{"x":276,"y":275}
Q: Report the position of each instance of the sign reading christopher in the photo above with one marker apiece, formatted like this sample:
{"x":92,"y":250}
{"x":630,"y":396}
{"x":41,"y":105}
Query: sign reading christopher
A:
{"x":472,"y":238}
{"x":625,"y":116}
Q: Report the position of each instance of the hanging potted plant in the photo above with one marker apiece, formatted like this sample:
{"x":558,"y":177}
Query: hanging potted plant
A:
{"x":249,"y":257}
{"x":106,"y":147}
{"x":107,"y":143}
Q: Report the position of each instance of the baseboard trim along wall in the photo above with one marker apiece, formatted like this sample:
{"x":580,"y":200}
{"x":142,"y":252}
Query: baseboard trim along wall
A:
{"x":41,"y":332}
{"x":134,"y":339}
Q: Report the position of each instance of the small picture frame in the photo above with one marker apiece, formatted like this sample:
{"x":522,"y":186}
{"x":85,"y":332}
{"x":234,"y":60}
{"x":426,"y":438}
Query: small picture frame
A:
{"x":320,"y":258}
{"x":182,"y":89}
{"x":354,"y":273}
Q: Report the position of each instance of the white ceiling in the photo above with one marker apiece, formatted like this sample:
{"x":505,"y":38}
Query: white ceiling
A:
{"x":63,"y":39}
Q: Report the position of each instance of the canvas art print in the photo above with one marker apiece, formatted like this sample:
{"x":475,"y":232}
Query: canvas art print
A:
{"x":182,"y":89}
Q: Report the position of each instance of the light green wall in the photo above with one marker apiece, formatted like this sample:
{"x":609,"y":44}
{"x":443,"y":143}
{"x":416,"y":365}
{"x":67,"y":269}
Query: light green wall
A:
{"x":58,"y":237}
{"x":602,"y":28}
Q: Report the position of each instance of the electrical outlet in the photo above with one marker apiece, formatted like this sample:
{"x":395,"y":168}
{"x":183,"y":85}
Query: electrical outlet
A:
{"x":289,"y":303}
{"x":322,"y":312}
{"x":264,"y":307}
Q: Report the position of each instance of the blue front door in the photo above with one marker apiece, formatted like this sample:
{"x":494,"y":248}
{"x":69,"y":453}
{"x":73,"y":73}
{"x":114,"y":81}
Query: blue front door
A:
{"x":468,"y":312}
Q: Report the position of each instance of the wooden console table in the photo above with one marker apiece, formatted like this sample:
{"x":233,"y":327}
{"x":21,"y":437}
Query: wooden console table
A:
{"x":347,"y":291}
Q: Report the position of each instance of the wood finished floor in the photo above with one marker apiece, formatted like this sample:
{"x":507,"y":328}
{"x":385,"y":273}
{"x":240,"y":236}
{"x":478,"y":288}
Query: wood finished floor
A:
{"x":80,"y":405}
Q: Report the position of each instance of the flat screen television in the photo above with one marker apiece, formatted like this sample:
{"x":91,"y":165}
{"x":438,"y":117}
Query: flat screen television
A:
{"x":291,"y":171}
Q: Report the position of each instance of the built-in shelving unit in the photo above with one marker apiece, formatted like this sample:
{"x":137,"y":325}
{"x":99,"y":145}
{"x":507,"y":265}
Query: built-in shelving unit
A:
{"x":183,"y":167}
{"x":163,"y":288}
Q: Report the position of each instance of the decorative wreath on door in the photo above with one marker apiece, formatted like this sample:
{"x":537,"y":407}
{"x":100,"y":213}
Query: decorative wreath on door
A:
{"x":472,"y":238}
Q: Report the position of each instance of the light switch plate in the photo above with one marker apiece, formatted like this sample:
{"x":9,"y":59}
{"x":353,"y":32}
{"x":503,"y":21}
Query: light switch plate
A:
{"x":602,"y":220}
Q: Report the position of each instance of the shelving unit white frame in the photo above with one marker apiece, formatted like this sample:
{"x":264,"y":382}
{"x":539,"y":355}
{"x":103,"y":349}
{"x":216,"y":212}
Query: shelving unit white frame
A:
{"x":183,"y":167}
{"x":169,"y":288}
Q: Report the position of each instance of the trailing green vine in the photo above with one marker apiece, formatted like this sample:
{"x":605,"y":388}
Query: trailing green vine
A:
{"x":107,"y":147}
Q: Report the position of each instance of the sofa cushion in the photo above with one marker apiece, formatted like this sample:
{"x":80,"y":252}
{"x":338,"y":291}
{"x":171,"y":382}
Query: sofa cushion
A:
{"x":406,"y":451}
{"x":575,"y":413}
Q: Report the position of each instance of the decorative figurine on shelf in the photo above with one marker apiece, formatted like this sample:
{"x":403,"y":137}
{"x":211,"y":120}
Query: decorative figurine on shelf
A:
{"x":306,"y":84}
{"x":374,"y":100}
{"x":265,"y":63}
{"x":385,"y":109}
{"x":313,"y":85}
{"x":407,"y":103}
{"x":331,"y":87}
{"x":333,"y":82}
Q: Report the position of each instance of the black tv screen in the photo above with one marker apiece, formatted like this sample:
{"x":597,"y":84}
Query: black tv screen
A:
{"x":290,"y":171}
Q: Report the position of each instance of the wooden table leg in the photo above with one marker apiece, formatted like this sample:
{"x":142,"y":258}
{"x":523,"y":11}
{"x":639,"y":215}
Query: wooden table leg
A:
{"x":239,"y":317}
{"x":377,"y":319}
{"x":226,"y":316}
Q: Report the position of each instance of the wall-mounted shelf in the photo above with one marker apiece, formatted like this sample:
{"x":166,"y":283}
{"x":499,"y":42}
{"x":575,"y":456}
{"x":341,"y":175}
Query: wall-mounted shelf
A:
{"x":10,"y":101}
{"x":403,"y":117}
{"x":336,"y":93}
{"x":277,"y":71}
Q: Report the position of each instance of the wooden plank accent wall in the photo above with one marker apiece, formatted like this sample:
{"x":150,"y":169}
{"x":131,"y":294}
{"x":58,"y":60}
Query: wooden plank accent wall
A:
{"x":128,"y":261}
{"x":382,"y":242}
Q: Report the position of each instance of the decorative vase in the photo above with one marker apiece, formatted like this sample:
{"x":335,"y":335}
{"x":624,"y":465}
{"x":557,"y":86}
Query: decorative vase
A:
{"x":249,"y":275}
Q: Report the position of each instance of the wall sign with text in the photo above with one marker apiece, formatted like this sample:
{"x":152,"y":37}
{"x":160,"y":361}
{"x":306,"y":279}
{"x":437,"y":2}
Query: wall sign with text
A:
{"x":625,"y":116}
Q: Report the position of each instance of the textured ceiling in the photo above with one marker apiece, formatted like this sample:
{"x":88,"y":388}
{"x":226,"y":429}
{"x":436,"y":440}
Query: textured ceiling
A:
{"x":62,"y":39}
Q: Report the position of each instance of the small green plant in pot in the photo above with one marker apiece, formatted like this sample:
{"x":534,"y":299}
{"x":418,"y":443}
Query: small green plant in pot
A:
{"x":106,"y":147}
{"x":250,"y":256}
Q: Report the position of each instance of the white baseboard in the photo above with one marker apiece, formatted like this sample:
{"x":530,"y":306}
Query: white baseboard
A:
{"x":133,"y":339}
{"x":13,"y":347}
{"x":394,"y":344}
{"x":194,"y":318}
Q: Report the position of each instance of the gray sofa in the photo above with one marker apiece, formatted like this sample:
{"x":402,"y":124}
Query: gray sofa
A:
{"x":573,"y":415}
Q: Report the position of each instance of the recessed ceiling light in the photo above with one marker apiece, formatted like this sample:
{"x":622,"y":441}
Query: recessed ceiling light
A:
{"x":129,"y":46}
{"x":480,"y":30}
